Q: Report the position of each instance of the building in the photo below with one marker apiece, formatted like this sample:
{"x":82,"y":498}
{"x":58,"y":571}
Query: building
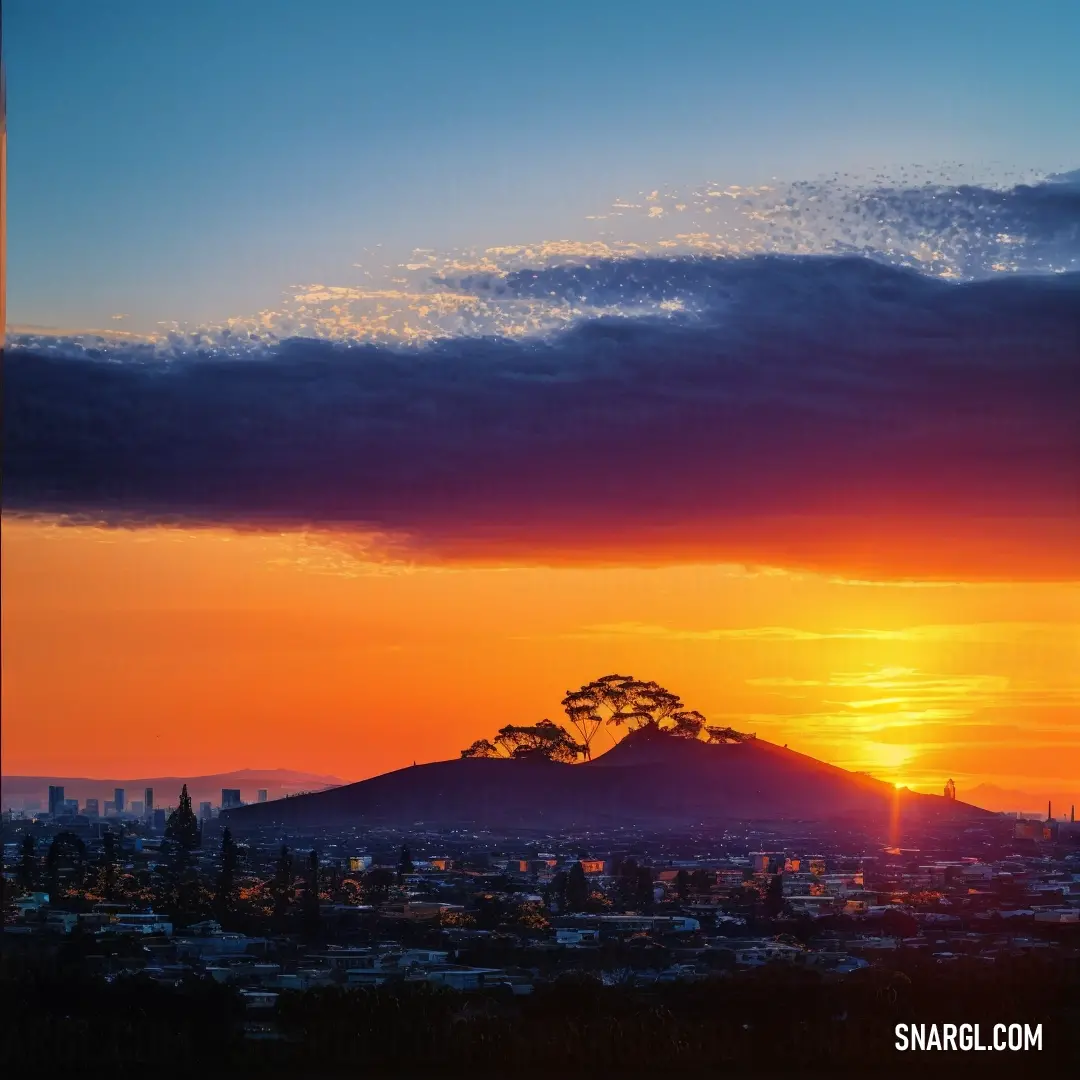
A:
{"x":205,"y":811}
{"x":159,"y":819}
{"x":91,"y":809}
{"x":56,"y":799}
{"x":262,"y":794}
{"x":110,"y":807}
{"x":137,"y":807}
{"x":120,"y":799}
{"x":69,"y":807}
{"x":148,"y":800}
{"x":230,"y":797}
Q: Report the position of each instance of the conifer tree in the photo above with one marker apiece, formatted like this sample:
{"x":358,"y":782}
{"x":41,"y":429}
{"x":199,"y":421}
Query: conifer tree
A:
{"x":27,"y":873}
{"x":577,"y":888}
{"x":226,"y":884}
{"x":283,"y":884}
{"x":108,"y":864}
{"x":182,"y":828}
{"x":311,"y":892}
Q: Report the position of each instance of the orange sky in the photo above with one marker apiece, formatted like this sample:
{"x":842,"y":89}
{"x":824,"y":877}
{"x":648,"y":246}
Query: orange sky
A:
{"x":158,"y":651}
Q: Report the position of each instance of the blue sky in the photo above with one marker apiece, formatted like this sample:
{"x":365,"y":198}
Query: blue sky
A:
{"x":190,"y":161}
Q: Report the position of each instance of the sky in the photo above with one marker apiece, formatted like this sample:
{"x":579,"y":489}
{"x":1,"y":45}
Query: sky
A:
{"x":376,"y":375}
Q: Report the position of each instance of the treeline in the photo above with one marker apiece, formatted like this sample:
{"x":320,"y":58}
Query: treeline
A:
{"x":773,"y":1019}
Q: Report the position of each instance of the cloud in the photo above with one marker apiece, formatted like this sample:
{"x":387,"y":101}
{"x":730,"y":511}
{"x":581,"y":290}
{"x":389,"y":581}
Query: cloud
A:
{"x":983,"y":633}
{"x":826,"y":413}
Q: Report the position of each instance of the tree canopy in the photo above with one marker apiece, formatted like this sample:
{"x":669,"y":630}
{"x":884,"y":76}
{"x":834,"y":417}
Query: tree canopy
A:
{"x":618,"y":700}
{"x":182,"y":828}
{"x":631,"y":703}
{"x":544,"y":740}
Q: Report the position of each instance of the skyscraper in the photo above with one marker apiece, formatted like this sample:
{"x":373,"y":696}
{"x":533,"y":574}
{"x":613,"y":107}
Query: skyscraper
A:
{"x":119,"y":799}
{"x":148,"y":800}
{"x":262,"y":794}
{"x":56,"y":799}
{"x":230,"y":797}
{"x":205,"y":811}
{"x":91,"y":809}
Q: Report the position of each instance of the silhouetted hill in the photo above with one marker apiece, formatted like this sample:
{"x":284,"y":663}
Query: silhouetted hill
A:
{"x":649,"y":779}
{"x":15,"y":791}
{"x":996,"y":798}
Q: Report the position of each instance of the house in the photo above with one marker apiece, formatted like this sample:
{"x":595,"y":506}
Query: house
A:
{"x":573,"y":936}
{"x":465,"y":978}
{"x":767,"y":952}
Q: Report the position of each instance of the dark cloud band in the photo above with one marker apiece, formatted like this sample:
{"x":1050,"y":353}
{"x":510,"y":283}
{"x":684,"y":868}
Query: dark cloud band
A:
{"x":825,"y":411}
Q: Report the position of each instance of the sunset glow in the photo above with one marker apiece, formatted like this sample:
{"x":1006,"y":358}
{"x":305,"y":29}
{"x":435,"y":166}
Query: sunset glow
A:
{"x":186,"y":645}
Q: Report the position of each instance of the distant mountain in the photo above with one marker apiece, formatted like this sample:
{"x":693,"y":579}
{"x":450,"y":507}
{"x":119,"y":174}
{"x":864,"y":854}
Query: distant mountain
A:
{"x":650,"y":779}
{"x":991,"y":797}
{"x":17,"y":791}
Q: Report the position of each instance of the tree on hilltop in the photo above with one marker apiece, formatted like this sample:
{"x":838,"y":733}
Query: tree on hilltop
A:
{"x":623,"y":701}
{"x":727,"y":735}
{"x":543,"y":740}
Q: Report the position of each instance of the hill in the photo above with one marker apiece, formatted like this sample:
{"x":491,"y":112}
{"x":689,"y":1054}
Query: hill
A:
{"x":18,"y":791}
{"x":649,"y":779}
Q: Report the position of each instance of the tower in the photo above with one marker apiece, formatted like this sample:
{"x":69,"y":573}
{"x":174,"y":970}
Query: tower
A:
{"x":148,"y":800}
{"x":56,"y":799}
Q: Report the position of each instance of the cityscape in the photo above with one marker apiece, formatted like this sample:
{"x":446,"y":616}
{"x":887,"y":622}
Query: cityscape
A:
{"x":259,"y":924}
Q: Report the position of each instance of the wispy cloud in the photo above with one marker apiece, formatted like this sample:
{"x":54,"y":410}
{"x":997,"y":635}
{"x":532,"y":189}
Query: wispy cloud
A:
{"x":984,"y":633}
{"x":583,"y":404}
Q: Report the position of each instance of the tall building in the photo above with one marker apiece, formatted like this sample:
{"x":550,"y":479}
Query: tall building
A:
{"x":230,"y":797}
{"x":110,"y":807}
{"x":56,"y":799}
{"x":136,"y":807}
{"x":159,"y":819}
{"x":262,"y":794}
{"x":148,"y":800}
{"x":119,"y":799}
{"x":69,"y":807}
{"x":205,"y":811}
{"x":91,"y":809}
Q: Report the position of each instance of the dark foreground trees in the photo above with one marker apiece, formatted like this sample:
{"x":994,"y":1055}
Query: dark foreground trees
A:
{"x":775,"y":1021}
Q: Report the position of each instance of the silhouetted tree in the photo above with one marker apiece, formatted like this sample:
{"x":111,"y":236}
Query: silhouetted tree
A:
{"x":682,"y":884}
{"x":283,"y":883}
{"x":774,"y":898}
{"x":544,"y":740}
{"x":627,"y":702}
{"x":182,"y":828}
{"x":898,"y":923}
{"x":558,"y":889}
{"x":644,"y":892}
{"x":376,"y":885}
{"x":66,"y":858}
{"x":577,"y":888}
{"x":224,"y":895}
{"x":310,"y":902}
{"x":27,"y":872}
{"x":727,"y":735}
{"x":700,"y":881}
{"x":108,"y":864}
